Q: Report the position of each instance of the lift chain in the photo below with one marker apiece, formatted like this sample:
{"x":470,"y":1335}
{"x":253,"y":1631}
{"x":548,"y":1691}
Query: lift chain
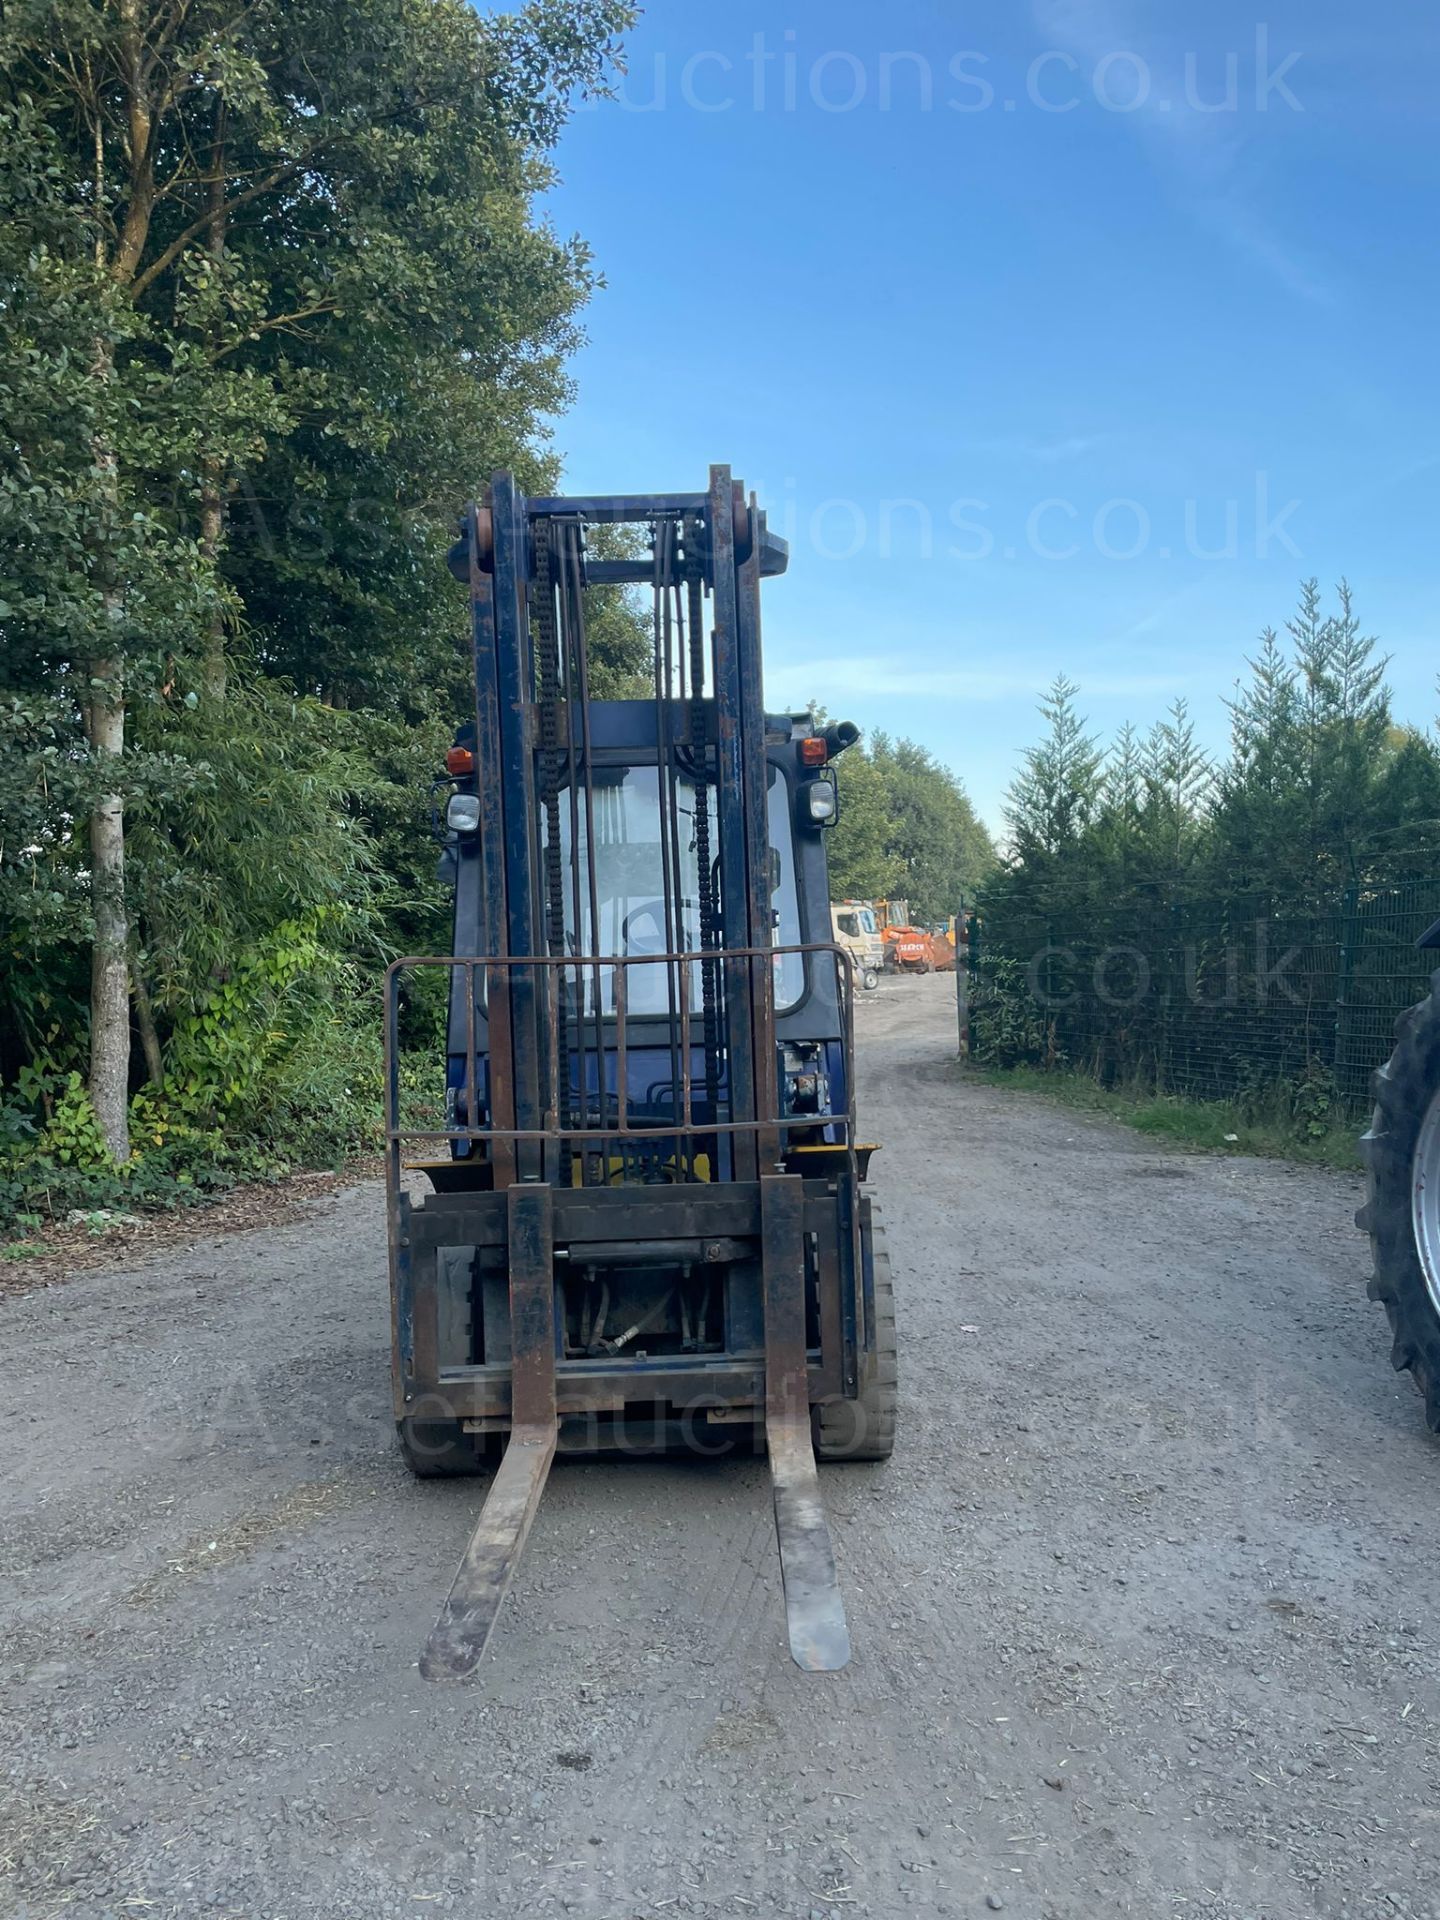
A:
{"x":695,"y":631}
{"x":547,"y":663}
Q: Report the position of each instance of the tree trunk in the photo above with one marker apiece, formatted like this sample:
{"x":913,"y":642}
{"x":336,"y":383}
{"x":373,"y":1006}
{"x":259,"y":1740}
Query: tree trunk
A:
{"x":214,"y":668}
{"x":145,"y":1021}
{"x":109,"y":968}
{"x":212,"y":475}
{"x":104,"y":712}
{"x":109,"y":1084}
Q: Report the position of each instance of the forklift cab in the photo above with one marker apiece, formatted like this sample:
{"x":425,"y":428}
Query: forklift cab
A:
{"x":630,"y":914}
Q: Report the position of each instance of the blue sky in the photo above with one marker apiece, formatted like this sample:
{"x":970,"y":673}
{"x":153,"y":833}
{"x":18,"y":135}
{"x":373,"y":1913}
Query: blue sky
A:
{"x":1056,"y":335}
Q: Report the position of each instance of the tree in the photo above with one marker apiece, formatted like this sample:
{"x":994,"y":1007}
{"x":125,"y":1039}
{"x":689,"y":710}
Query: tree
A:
{"x":1055,"y":795}
{"x":863,"y":863}
{"x":935,"y":835}
{"x":99,"y":586}
{"x":906,"y":830}
{"x":1176,"y":782}
{"x":1136,"y":878}
{"x":1309,"y":732}
{"x":1406,"y":806}
{"x":275,"y":298}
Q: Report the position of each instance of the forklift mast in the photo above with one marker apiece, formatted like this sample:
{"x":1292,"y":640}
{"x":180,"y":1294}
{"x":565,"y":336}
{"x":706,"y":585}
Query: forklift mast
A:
{"x":649,"y":1204}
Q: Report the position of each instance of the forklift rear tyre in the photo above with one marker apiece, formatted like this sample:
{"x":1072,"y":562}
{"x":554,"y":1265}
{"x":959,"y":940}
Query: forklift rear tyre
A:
{"x":864,"y":1429}
{"x":442,"y":1450}
{"x":1402,"y":1211}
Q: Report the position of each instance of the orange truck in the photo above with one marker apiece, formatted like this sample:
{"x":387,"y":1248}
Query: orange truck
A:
{"x":909,"y":949}
{"x":912,"y":949}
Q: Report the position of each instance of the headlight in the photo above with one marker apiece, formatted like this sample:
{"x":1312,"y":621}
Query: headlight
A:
{"x":820,"y":801}
{"x":463,"y":813}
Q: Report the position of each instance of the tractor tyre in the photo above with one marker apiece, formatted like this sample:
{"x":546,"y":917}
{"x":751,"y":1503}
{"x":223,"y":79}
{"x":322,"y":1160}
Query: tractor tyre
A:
{"x":1402,"y":1209}
{"x":442,"y":1450}
{"x":864,"y":1428}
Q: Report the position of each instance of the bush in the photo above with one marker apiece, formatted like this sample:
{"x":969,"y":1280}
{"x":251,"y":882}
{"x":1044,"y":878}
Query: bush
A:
{"x":1008,"y":1027}
{"x":281,"y":1066}
{"x":325,"y":1101}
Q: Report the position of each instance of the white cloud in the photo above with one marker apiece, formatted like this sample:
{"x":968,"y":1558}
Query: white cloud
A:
{"x":1202,"y":152}
{"x":1042,"y":453}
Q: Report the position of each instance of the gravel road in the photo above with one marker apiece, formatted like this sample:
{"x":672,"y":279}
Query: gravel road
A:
{"x":1143,"y":1617}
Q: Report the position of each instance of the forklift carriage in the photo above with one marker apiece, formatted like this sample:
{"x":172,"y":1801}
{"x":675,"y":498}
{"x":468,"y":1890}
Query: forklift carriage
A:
{"x":647,"y":1227}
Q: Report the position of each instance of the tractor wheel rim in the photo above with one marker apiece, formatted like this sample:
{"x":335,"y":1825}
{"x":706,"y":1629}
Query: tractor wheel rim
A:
{"x":1425,"y":1200}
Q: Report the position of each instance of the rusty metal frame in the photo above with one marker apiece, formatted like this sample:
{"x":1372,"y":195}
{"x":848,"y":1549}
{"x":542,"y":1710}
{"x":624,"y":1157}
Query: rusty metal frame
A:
{"x":479,"y":1392}
{"x":817,"y":1630}
{"x":815,"y":1613}
{"x":701,"y":1212}
{"x":467,"y":1619}
{"x":531,"y":1134}
{"x":768,"y":1120}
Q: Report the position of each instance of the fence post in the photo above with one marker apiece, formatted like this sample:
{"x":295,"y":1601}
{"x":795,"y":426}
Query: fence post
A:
{"x":962,"y":983}
{"x":973,"y":962}
{"x":1348,"y":912}
{"x":1177,"y":1015}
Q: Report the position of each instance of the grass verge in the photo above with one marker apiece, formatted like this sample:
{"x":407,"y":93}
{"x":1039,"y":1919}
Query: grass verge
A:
{"x":1203,"y":1126}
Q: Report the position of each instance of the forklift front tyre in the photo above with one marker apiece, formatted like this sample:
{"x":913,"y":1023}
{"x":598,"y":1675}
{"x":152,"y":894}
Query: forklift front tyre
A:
{"x":864,"y":1428}
{"x":442,"y":1450}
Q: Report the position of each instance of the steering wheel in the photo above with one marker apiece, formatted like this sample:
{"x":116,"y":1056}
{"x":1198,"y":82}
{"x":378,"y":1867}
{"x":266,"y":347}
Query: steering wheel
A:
{"x":653,"y":910}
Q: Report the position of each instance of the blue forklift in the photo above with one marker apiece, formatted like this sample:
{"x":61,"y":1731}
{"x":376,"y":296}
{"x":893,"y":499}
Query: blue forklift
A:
{"x":643,"y":1223}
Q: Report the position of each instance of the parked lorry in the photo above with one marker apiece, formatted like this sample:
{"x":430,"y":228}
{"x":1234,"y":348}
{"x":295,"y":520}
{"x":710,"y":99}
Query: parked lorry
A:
{"x":1401,"y":1213}
{"x":857,"y":930}
{"x":648,"y":1221}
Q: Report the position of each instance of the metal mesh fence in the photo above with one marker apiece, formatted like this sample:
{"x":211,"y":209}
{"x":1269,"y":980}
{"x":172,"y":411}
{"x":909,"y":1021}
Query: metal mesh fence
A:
{"x":1219,"y":999}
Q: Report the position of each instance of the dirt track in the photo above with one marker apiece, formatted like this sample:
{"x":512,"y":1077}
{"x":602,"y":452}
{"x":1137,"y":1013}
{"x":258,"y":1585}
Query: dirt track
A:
{"x":1145,"y":1610}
